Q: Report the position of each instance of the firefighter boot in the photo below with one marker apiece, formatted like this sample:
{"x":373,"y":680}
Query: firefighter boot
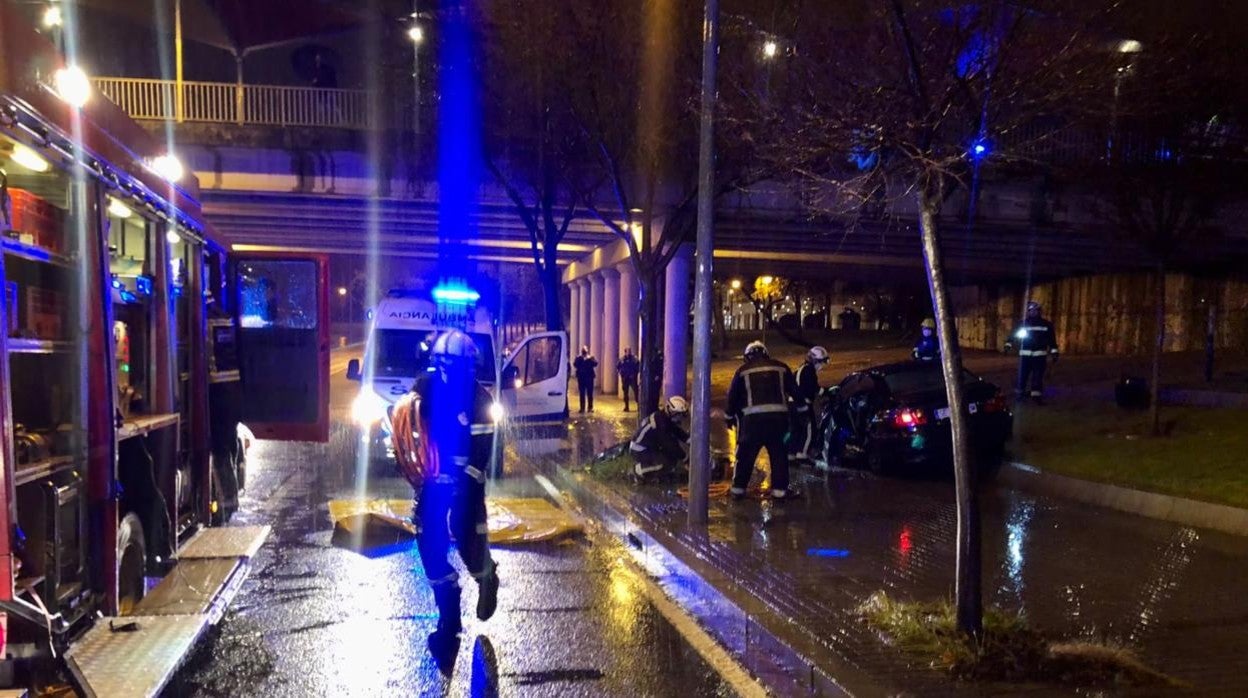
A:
{"x":444,"y":641}
{"x":487,"y":595}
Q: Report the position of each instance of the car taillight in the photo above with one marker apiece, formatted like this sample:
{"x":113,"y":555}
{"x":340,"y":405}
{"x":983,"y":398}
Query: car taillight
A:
{"x":906,"y":418}
{"x":996,"y":403}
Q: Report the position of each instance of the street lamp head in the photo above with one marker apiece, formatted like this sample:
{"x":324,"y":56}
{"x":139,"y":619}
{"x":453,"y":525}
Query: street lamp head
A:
{"x":52,"y":17}
{"x":342,"y":290}
{"x":770,"y":48}
{"x":736,"y":284}
{"x":416,"y":33}
{"x":72,"y":85}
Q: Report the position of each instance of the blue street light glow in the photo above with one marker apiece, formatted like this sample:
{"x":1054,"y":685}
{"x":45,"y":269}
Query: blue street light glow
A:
{"x":827,"y":552}
{"x":1022,"y":334}
{"x":980,"y":149}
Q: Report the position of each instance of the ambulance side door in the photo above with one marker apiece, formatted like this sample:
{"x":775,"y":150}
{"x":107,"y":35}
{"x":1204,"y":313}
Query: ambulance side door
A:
{"x":282,"y":306}
{"x":535,"y":379}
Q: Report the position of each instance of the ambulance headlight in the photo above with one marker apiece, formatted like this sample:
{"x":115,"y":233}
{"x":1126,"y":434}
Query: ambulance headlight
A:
{"x":368,"y":408}
{"x":497,"y":412}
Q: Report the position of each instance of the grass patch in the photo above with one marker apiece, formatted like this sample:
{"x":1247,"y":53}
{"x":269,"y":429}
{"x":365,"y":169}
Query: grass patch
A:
{"x":1008,"y":651}
{"x":1200,"y":457}
{"x":613,"y":465}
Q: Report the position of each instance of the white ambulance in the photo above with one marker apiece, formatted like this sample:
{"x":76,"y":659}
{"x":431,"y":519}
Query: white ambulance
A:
{"x":529,"y":385}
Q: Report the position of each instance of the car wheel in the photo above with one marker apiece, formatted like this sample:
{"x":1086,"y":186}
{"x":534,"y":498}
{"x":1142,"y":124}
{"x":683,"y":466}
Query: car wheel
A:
{"x":876,"y":462}
{"x":131,"y":564}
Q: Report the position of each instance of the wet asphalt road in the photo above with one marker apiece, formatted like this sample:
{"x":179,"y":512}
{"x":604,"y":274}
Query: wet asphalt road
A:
{"x":314,"y":620}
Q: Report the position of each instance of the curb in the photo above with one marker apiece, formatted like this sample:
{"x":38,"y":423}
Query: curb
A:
{"x":1188,"y":512}
{"x":737,"y":620}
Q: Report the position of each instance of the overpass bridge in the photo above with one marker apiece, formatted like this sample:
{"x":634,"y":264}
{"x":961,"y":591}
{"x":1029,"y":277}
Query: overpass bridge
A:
{"x":287,"y":169}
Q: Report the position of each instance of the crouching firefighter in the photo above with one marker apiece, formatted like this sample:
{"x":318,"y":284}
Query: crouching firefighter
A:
{"x":758,"y":407}
{"x":659,"y":444}
{"x":444,"y":433}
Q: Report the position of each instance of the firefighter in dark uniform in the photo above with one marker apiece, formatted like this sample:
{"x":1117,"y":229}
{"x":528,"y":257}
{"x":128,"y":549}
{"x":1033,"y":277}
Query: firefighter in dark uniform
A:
{"x":659,"y":444}
{"x":804,"y":398}
{"x":455,"y":421}
{"x":928,"y":346}
{"x":758,"y":407}
{"x":1036,"y":342}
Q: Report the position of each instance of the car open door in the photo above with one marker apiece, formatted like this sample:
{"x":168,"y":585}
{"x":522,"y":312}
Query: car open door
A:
{"x":535,"y":379}
{"x":282,"y":303}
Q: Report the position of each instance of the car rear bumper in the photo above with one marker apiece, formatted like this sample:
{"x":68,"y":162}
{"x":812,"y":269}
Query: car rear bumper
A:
{"x":933,"y":444}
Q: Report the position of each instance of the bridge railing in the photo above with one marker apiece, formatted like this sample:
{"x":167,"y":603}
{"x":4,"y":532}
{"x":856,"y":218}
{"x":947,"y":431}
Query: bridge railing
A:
{"x":223,"y":102}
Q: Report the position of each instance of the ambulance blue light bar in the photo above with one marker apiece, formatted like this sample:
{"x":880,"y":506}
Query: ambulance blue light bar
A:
{"x":455,"y":294}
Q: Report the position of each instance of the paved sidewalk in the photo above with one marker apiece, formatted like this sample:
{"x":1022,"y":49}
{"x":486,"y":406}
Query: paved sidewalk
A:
{"x":1169,"y":592}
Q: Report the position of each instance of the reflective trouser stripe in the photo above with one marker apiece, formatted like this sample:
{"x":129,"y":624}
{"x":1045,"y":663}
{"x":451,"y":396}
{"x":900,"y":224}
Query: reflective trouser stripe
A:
{"x":1035,"y":352}
{"x":765,"y":409}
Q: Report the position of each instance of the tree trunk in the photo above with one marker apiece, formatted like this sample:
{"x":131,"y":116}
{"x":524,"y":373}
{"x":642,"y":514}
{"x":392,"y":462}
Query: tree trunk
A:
{"x":551,"y":286}
{"x":1211,"y":327}
{"x":1159,"y":345}
{"x":969,"y":577}
{"x":651,"y":315}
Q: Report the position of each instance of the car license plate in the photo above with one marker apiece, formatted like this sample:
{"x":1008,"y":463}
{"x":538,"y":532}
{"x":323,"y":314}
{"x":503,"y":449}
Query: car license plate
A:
{"x":943,"y":413}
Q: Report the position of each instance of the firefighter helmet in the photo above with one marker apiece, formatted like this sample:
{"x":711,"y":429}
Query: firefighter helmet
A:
{"x":676,"y":406}
{"x":817,"y":355}
{"x":928,"y":324}
{"x":454,"y":346}
{"x":1033,"y":306}
{"x":755,"y":348}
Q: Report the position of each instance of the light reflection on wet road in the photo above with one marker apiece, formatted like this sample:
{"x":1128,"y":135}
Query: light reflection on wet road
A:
{"x":316,"y":620}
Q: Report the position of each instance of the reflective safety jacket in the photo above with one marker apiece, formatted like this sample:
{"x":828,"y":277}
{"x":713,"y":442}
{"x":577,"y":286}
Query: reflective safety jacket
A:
{"x":807,"y":388}
{"x":1034,"y":337}
{"x":926,"y":349}
{"x":658,"y":433}
{"x":761,"y":386}
{"x":458,"y":427}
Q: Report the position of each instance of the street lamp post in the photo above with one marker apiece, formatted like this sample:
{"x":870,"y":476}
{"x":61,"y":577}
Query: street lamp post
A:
{"x":700,"y":438}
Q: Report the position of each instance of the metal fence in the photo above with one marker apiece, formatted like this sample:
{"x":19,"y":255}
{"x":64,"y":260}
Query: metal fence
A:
{"x":223,"y":102}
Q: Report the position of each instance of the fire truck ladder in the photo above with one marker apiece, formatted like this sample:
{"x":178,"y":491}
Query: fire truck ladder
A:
{"x":136,"y":655}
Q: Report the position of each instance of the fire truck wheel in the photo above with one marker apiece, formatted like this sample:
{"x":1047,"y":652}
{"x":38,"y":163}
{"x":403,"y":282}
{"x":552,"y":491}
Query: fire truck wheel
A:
{"x":131,"y":564}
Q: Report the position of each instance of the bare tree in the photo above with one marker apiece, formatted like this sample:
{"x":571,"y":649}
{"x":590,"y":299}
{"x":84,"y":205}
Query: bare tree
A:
{"x":1174,"y":154}
{"x":892,"y":105}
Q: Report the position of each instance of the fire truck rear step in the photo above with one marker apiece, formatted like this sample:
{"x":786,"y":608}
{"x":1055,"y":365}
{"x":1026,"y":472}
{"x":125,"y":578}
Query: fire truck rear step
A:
{"x":227,"y":541}
{"x":137,"y":655}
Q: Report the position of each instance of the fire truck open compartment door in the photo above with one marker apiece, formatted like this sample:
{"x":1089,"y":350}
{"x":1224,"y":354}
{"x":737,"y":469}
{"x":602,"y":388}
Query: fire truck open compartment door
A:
{"x":282,"y":304}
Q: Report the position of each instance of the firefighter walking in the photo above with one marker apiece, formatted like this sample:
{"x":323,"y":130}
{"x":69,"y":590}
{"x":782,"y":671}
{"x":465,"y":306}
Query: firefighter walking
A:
{"x":1036,"y":342}
{"x":807,"y":393}
{"x":927,"y":348}
{"x":758,"y":407}
{"x":452,"y":414}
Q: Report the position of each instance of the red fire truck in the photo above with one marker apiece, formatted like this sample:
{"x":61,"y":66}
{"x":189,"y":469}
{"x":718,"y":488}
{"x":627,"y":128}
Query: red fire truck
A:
{"x":125,"y":371}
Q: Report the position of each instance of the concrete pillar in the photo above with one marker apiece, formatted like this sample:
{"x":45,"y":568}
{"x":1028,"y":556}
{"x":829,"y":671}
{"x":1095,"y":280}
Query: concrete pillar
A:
{"x":595,"y":324}
{"x":582,"y":331}
{"x":676,"y":323}
{"x":610,"y":331}
{"x":630,"y":307}
{"x":574,"y":316}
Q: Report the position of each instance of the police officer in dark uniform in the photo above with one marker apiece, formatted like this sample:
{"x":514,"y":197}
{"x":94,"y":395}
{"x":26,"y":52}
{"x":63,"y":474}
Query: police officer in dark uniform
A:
{"x":629,"y":368}
{"x":804,"y":398}
{"x":758,"y":406}
{"x":928,"y":346}
{"x":659,"y":444}
{"x":1036,"y":341}
{"x":456,"y":424}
